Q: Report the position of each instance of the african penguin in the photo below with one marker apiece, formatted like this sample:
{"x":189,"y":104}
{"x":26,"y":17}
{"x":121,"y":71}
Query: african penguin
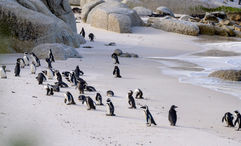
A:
{"x":55,"y":88}
{"x":26,"y":59}
{"x":3,"y":72}
{"x":110,"y":93}
{"x":17,"y":69}
{"x":89,"y":103}
{"x":90,"y":88}
{"x":51,"y":56}
{"x":49,"y":62}
{"x":238,"y":120}
{"x":138,"y":94}
{"x":66,"y":74}
{"x":69,"y":99}
{"x":32,"y":68}
{"x":81,"y":87}
{"x":21,"y":61}
{"x":35,"y":59}
{"x":116,"y":72}
{"x":73,"y":79}
{"x":172,"y":115}
{"x":91,"y":37}
{"x":49,"y":89}
{"x":131,"y":100}
{"x":82,"y":98}
{"x":61,"y":84}
{"x":149,"y":118}
{"x":50,"y":73}
{"x":78,"y":72}
{"x":58,"y":76}
{"x":98,"y":98}
{"x":115,"y":58}
{"x":83,"y":32}
{"x":110,"y":108}
{"x":228,"y":118}
{"x":41,"y":78}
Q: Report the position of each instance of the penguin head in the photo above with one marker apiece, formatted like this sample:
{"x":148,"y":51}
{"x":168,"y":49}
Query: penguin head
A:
{"x":173,"y":107}
{"x":236,"y":112}
{"x":145,"y":107}
{"x":4,"y":67}
{"x":108,"y":100}
{"x":25,"y":53}
{"x":130,"y":92}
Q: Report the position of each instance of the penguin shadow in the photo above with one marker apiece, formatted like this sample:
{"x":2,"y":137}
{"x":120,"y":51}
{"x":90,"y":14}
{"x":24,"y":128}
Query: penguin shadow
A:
{"x":186,"y":127}
{"x":126,"y":117}
{"x":164,"y":127}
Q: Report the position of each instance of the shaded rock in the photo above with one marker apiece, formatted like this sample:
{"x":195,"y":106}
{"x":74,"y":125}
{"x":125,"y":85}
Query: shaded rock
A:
{"x":88,"y":7}
{"x":221,"y":31}
{"x":26,"y":24}
{"x":231,"y":75}
{"x":237,"y":27}
{"x":118,"y":52}
{"x":237,"y":33}
{"x":221,"y":15}
{"x":77,"y":10}
{"x":114,"y":16}
{"x":60,"y":51}
{"x":74,"y":2}
{"x":189,"y":18}
{"x":174,"y":25}
{"x":235,"y":16}
{"x":209,"y":18}
{"x":225,"y":22}
{"x":206,"y":29}
{"x":132,"y":3}
{"x":125,"y":55}
{"x":228,"y":30}
{"x":164,"y":11}
{"x":141,"y":11}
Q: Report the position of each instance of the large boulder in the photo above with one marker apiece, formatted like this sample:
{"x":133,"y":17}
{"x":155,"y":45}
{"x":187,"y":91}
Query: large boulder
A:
{"x":164,"y":11}
{"x":113,"y":16}
{"x":132,"y":3}
{"x":174,"y":25}
{"x":28,"y":23}
{"x":231,"y":75}
{"x":60,"y":51}
{"x":206,"y":29}
{"x":88,"y":7}
{"x":141,"y":11}
{"x":74,"y":2}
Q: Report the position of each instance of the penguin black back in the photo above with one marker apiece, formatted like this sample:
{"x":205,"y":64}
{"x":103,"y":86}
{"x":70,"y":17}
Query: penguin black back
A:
{"x":228,"y":118}
{"x":172,"y":116}
{"x":17,"y":69}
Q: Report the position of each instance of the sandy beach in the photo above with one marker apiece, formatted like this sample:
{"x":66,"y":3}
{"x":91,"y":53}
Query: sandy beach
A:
{"x":26,"y":113}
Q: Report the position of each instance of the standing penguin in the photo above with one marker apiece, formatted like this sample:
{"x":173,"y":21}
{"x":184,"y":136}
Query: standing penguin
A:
{"x":116,"y":72}
{"x":49,"y":62}
{"x":58,"y":76}
{"x":98,"y":98}
{"x":91,"y":37}
{"x":50,"y":73}
{"x":78,"y":72}
{"x":89,"y":103}
{"x":131,"y":100}
{"x":115,"y":58}
{"x":26,"y":59}
{"x":51,"y":56}
{"x":81,"y":87}
{"x":238,"y":120}
{"x":41,"y":78}
{"x":172,"y":116}
{"x":17,"y":69}
{"x":73,"y":79}
{"x":49,"y":89}
{"x":139,"y":94}
{"x":3,"y":74}
{"x":21,"y":61}
{"x":32,"y":68}
{"x":228,"y":118}
{"x":110,"y":108}
{"x":35,"y":59}
{"x":69,"y":99}
{"x":83,"y":32}
{"x":149,"y":119}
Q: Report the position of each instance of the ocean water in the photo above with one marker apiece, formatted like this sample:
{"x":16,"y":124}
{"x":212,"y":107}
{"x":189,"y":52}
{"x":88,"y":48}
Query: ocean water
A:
{"x":193,"y":69}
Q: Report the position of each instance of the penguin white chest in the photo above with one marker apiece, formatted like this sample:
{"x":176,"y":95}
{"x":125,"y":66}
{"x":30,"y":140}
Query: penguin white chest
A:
{"x":3,"y":73}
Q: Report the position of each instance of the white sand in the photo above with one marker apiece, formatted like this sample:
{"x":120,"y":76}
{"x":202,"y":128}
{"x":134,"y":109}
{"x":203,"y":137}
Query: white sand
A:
{"x":46,"y":120}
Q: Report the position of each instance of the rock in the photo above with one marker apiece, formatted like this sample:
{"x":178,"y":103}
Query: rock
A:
{"x":206,"y":29}
{"x":237,"y":33}
{"x":189,"y":18}
{"x":60,"y":51}
{"x":74,"y":2}
{"x":231,"y":75}
{"x":125,"y":55}
{"x":237,"y":28}
{"x":114,"y":16}
{"x":76,"y":10}
{"x":228,"y":30}
{"x":164,"y":11}
{"x":225,"y":22}
{"x":26,"y":24}
{"x":118,"y":52}
{"x":221,"y":15}
{"x":134,"y":55}
{"x":132,"y":3}
{"x":220,"y":31}
{"x":235,"y":16}
{"x":141,"y":11}
{"x":174,"y":25}
{"x":88,"y":7}
{"x":209,"y":18}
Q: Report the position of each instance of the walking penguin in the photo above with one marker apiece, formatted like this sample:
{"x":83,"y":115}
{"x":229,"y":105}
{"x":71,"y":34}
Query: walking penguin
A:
{"x":172,"y":116}
{"x":238,"y":120}
{"x":110,"y":108}
{"x":149,"y":119}
{"x":228,"y":118}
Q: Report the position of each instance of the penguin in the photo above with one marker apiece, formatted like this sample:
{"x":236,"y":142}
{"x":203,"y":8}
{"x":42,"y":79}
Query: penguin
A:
{"x":66,"y":74}
{"x":61,"y":84}
{"x":115,"y":58}
{"x":138,"y":94}
{"x":50,"y":73}
{"x":149,"y":119}
{"x":131,"y":100}
{"x":98,"y":98}
{"x":90,"y":88}
{"x":69,"y":99}
{"x":58,"y":76}
{"x":51,"y":56}
{"x":41,"y":78}
{"x":32,"y":68}
{"x":3,"y":72}
{"x":49,"y":62}
{"x":49,"y":89}
{"x":81,"y":98}
{"x":110,"y":93}
{"x":116,"y":72}
{"x":73,"y":79}
{"x":26,"y":59}
{"x":91,"y":37}
{"x":55,"y":88}
{"x":81,"y":87}
{"x":83,"y":32}
{"x":35,"y":60}
{"x":17,"y":69}
{"x":238,"y":120}
{"x":110,"y":108}
{"x":78,"y":72}
{"x":89,"y":103}
{"x":228,"y":118}
{"x":172,"y":116}
{"x":21,"y":61}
